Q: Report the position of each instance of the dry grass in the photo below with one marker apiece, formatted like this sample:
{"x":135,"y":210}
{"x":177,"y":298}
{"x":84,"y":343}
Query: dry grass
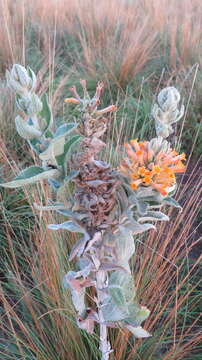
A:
{"x":114,"y":40}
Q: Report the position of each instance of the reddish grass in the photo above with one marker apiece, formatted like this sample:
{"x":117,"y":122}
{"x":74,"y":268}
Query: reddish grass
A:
{"x":116,"y":38}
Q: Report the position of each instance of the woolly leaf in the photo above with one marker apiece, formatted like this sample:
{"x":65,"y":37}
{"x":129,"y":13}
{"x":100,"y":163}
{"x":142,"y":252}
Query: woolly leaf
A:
{"x":46,"y":114}
{"x":79,"y":247}
{"x":138,"y":314}
{"x":55,"y":148}
{"x":137,"y":228}
{"x":154,"y":216}
{"x":87,"y":321}
{"x":25,"y":130}
{"x":64,"y":130}
{"x":172,"y":202}
{"x":142,"y":206}
{"x":67,"y":225}
{"x":30,"y":176}
{"x":121,"y":287}
{"x":125,"y":247}
{"x":112,"y":312}
{"x":78,"y":293}
{"x":67,"y":147}
{"x":138,"y":331}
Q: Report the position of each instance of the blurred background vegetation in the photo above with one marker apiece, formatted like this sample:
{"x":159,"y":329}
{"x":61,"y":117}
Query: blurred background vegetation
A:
{"x":136,"y":48}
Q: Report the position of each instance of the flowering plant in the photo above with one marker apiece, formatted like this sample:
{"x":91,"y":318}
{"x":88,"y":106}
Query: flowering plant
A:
{"x":107,"y":207}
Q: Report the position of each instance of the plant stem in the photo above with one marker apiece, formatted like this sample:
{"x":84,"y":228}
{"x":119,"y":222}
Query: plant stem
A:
{"x":104,"y":347}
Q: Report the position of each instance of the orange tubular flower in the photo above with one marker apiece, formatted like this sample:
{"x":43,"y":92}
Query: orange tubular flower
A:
{"x":152,"y":164}
{"x":72,"y":100}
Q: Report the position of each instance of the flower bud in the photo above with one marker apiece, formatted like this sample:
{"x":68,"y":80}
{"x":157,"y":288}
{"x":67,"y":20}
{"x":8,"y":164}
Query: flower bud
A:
{"x":169,"y":98}
{"x":21,"y":80}
{"x":167,"y":111}
{"x":30,"y":105}
{"x":25,"y":130}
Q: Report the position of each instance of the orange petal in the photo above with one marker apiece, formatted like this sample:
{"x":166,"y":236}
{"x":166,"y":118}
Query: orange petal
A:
{"x":106,"y":110}
{"x":160,"y":188}
{"x":72,"y":100}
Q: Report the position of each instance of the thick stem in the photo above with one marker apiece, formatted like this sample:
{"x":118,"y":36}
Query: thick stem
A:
{"x":104,"y":347}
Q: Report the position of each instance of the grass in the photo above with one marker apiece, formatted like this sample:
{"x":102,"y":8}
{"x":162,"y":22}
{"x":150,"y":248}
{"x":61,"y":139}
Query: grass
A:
{"x":137,"y":48}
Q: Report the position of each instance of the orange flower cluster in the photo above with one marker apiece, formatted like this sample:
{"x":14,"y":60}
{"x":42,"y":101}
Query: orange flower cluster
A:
{"x":147,"y":167}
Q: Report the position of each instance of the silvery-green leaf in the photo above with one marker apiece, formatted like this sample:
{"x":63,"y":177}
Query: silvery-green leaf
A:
{"x":78,"y":300}
{"x":122,"y":198}
{"x":137,"y":228}
{"x":111,"y":312}
{"x":68,"y":225}
{"x":138,"y":331}
{"x":35,"y":105}
{"x":33,"y":80}
{"x":110,"y":266}
{"x":121,"y":287}
{"x":72,"y":214}
{"x":35,"y":145}
{"x":79,"y":247}
{"x":65,"y":130}
{"x":14,"y":85}
{"x":67,"y":147}
{"x":144,"y":192}
{"x":86,"y":323}
{"x":172,"y":202}
{"x":29,"y":105}
{"x":54,"y":183}
{"x":137,"y":314}
{"x":85,"y":266}
{"x":141,"y":205}
{"x":117,"y":295}
{"x":125,"y":247}
{"x":46,"y":113}
{"x":56,"y":146}
{"x":154,"y":216}
{"x":19,"y":73}
{"x":71,"y":175}
{"x":30,"y":176}
{"x":25,"y":130}
{"x":78,"y":297}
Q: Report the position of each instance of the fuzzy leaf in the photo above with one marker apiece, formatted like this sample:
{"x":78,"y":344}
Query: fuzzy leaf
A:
{"x":56,"y":146}
{"x":137,"y":314}
{"x":25,"y":130}
{"x":137,"y":228}
{"x":67,"y":225}
{"x":112,"y":312}
{"x":64,"y":130}
{"x":141,"y":205}
{"x":46,"y":114}
{"x":121,"y":287}
{"x":67,"y":147}
{"x":125,"y":247}
{"x":110,"y":266}
{"x":78,"y":293}
{"x":172,"y":202}
{"x":79,"y":247}
{"x":154,"y":216}
{"x":54,"y":149}
{"x":72,"y":214}
{"x":71,"y":175}
{"x":30,"y":176}
{"x":138,"y":331}
{"x":87,"y":321}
